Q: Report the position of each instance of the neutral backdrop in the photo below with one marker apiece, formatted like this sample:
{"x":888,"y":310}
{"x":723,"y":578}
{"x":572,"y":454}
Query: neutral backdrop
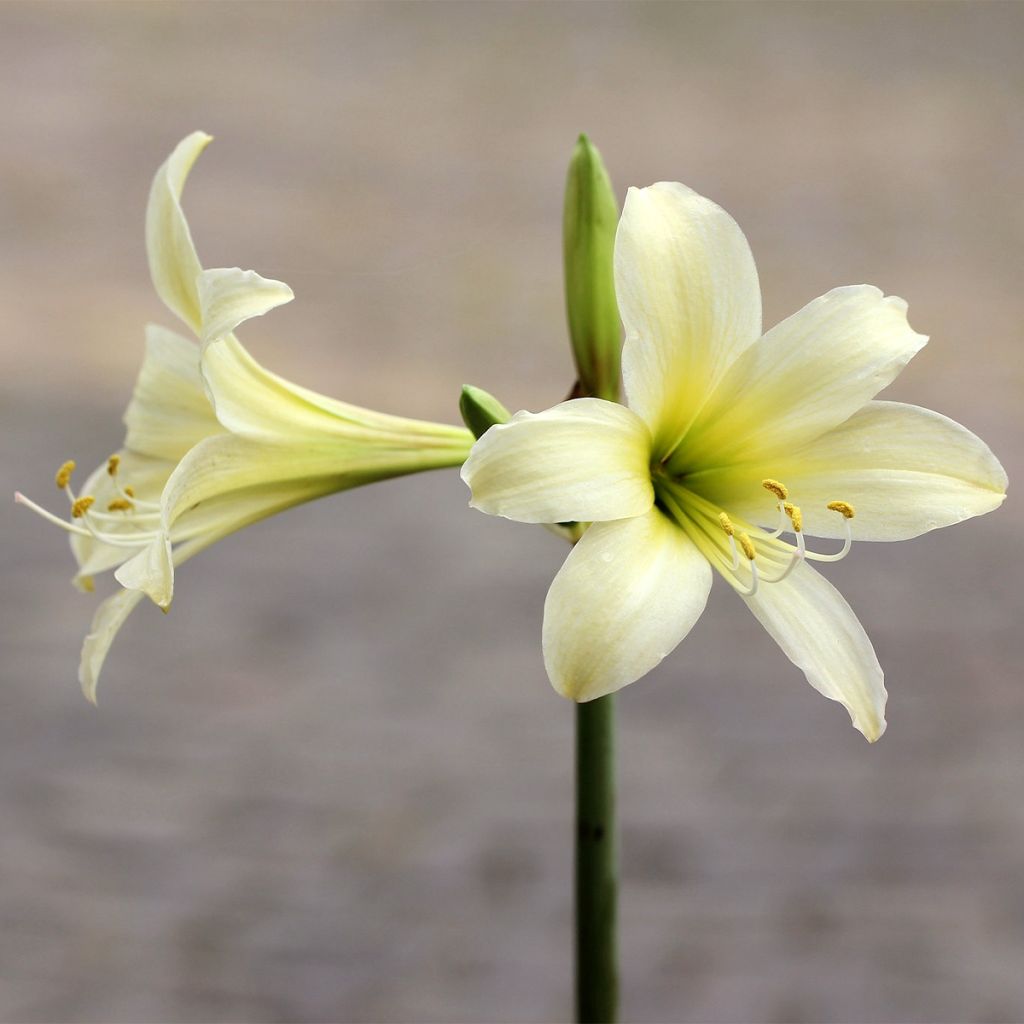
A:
{"x":334,"y":783}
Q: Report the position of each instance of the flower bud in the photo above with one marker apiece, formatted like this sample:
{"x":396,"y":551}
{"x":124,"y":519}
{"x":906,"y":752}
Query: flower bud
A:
{"x":588,"y":235}
{"x":481,"y":410}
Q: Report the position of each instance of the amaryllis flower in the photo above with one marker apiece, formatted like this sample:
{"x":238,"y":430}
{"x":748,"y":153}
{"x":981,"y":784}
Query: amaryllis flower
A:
{"x":732,"y":448}
{"x":214,"y":440}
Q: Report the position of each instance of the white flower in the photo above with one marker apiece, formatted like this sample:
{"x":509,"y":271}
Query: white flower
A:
{"x":724,"y":431}
{"x":214,"y":440}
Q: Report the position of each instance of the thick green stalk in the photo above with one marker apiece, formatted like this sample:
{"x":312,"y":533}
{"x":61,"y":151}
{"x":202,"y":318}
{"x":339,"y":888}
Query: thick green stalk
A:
{"x":597,"y":981}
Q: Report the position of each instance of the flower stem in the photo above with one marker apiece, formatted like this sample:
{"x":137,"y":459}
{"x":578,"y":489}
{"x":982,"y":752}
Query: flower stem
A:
{"x":597,"y":982}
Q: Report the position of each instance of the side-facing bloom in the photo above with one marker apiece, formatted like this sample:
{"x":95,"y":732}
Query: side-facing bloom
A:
{"x":214,"y":440}
{"x":730,"y":442}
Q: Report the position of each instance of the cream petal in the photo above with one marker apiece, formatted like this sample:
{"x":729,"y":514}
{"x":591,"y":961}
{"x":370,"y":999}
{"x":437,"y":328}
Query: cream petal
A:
{"x":110,"y":616}
{"x":229,"y":296}
{"x":253,"y":402}
{"x":151,"y":571}
{"x":173,"y":263}
{"x":905,"y":470}
{"x":818,"y":631}
{"x":585,"y":460}
{"x":169,"y":412}
{"x":690,"y":301}
{"x":626,"y":596}
{"x":804,"y":377}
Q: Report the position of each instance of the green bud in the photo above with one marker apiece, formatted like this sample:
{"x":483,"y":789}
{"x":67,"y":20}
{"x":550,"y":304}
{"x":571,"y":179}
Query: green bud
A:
{"x":481,"y":410}
{"x":588,"y":234}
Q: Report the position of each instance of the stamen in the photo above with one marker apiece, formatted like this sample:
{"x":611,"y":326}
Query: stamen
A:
{"x":730,"y":532}
{"x":844,"y":508}
{"x":133,"y":541}
{"x":112,"y":463}
{"x":796,"y":558}
{"x":778,"y":489}
{"x":747,"y":544}
{"x":748,"y":549}
{"x":129,"y":491}
{"x":120,"y":505}
{"x":796,"y":517}
{"x":63,"y":476}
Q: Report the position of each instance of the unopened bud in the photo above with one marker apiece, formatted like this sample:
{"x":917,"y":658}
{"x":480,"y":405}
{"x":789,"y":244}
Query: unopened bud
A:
{"x":588,"y":236}
{"x":480,"y":410}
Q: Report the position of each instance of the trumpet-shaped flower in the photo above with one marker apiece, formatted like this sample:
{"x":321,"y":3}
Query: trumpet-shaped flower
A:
{"x":214,"y":440}
{"x":730,"y":442}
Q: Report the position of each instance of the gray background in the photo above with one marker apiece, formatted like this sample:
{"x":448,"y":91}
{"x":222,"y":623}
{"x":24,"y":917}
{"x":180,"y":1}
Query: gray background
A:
{"x":334,"y":783}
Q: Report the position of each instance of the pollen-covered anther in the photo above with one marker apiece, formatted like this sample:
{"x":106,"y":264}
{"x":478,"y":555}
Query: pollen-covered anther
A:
{"x":780,"y":490}
{"x":112,"y":464}
{"x":82,"y":505}
{"x":796,"y":517}
{"x":844,"y":508}
{"x":63,"y":475}
{"x":120,"y":505}
{"x":726,"y":522}
{"x":129,"y":491}
{"x":747,"y":545}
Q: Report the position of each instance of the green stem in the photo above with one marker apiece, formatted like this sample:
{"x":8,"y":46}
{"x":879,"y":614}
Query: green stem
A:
{"x":597,"y":982}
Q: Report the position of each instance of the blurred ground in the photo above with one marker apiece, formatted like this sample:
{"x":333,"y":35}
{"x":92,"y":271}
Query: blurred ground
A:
{"x":333,"y":784}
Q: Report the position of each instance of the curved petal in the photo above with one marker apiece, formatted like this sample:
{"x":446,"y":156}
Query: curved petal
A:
{"x":229,"y":296}
{"x":169,"y":411}
{"x":584,"y":460}
{"x":818,"y":631}
{"x":151,"y":572}
{"x":690,"y":302}
{"x":905,"y":470}
{"x":110,"y":616}
{"x":805,"y":377}
{"x":173,"y":263}
{"x":626,"y":596}
{"x":253,"y":402}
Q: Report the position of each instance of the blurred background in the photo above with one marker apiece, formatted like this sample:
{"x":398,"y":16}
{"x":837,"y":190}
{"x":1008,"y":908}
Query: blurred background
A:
{"x":334,"y":784}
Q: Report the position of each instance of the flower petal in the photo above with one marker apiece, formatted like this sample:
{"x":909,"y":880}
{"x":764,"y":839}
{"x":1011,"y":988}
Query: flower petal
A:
{"x":253,"y":402}
{"x":804,"y":377}
{"x":109,"y":618}
{"x":585,"y":460}
{"x":173,"y":263}
{"x":229,"y":296}
{"x":151,"y":571}
{"x":818,"y":631}
{"x":169,"y":411}
{"x":690,"y":300}
{"x":625,"y":597}
{"x":905,"y":470}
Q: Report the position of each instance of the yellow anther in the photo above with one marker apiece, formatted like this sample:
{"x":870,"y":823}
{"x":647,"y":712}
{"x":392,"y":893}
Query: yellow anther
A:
{"x":112,"y":463}
{"x":120,"y":505}
{"x":779,"y":490}
{"x":726,"y":522}
{"x":844,"y":508}
{"x":795,"y":515}
{"x":129,"y":491}
{"x":63,"y":477}
{"x":81,"y":505}
{"x":747,"y":544}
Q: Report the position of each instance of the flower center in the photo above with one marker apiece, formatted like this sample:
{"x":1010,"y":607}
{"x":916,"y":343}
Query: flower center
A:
{"x":745,"y":554}
{"x":127,"y":522}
